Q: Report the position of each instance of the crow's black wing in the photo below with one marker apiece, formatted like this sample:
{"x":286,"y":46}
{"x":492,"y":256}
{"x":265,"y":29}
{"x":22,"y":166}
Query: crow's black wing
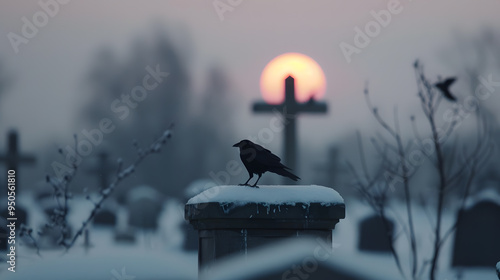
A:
{"x":267,"y":161}
{"x":448,"y":82}
{"x":264,"y":155}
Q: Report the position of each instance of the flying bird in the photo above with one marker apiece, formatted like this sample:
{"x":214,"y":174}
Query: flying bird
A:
{"x":258,"y":160}
{"x":444,"y":87}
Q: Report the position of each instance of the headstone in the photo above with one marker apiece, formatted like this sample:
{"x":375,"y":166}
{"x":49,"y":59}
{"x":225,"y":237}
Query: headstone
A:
{"x":232,"y":220}
{"x":105,"y":217}
{"x":144,"y":205}
{"x":190,"y":234}
{"x":477,"y":236}
{"x":374,"y":234}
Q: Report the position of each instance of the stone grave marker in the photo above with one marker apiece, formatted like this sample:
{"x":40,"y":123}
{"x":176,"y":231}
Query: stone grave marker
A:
{"x":477,"y":237}
{"x":373,"y":234}
{"x":144,"y":205}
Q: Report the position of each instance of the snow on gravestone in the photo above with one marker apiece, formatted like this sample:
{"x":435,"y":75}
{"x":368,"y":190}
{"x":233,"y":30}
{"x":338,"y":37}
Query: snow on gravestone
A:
{"x":144,"y":205}
{"x":373,"y":235}
{"x":477,"y":242}
{"x":235,"y":219}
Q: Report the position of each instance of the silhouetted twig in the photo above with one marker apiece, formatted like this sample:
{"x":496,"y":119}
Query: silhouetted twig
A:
{"x":122,"y":174}
{"x":62,"y":194}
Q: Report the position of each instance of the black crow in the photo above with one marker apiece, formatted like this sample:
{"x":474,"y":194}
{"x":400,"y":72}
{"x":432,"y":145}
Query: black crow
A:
{"x":258,"y":160}
{"x":444,"y":87}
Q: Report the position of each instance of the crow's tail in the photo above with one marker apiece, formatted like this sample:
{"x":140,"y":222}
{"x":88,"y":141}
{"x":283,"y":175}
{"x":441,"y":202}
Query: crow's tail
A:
{"x":283,"y":172}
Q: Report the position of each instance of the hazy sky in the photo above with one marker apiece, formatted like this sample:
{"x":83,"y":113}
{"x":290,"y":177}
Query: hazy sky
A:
{"x":48,"y":69}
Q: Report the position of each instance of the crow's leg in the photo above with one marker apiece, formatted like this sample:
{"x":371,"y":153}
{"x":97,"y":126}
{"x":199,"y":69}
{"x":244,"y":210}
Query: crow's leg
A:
{"x":255,"y":184}
{"x":246,"y":183}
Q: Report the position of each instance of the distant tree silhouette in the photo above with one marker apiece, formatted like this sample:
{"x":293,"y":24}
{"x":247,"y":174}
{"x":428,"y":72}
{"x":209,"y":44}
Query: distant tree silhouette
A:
{"x":172,"y":100}
{"x":5,"y":79}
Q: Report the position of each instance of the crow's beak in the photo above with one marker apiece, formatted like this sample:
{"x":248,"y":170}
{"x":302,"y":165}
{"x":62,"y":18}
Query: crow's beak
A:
{"x":236,"y":145}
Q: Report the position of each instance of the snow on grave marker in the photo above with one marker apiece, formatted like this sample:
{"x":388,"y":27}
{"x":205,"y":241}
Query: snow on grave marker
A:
{"x":237,"y":219}
{"x":477,"y":242}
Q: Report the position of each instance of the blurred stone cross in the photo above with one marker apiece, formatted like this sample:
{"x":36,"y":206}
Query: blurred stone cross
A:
{"x":289,"y":111}
{"x":103,"y":170}
{"x":12,"y":158}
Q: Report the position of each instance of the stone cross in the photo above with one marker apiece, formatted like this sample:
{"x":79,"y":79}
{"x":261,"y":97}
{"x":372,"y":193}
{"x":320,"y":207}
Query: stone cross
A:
{"x":13,"y":158}
{"x":290,"y":109}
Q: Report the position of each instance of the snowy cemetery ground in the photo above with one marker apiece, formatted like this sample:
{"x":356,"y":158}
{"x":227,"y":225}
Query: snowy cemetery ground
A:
{"x":159,"y":255}
{"x":346,"y":235}
{"x":153,"y":255}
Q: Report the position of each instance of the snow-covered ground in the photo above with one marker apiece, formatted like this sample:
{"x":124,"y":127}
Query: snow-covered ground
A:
{"x":159,"y":255}
{"x":153,"y":256}
{"x":345,"y":239}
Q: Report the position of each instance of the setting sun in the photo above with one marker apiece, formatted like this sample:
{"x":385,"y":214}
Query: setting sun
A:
{"x":309,"y":78}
